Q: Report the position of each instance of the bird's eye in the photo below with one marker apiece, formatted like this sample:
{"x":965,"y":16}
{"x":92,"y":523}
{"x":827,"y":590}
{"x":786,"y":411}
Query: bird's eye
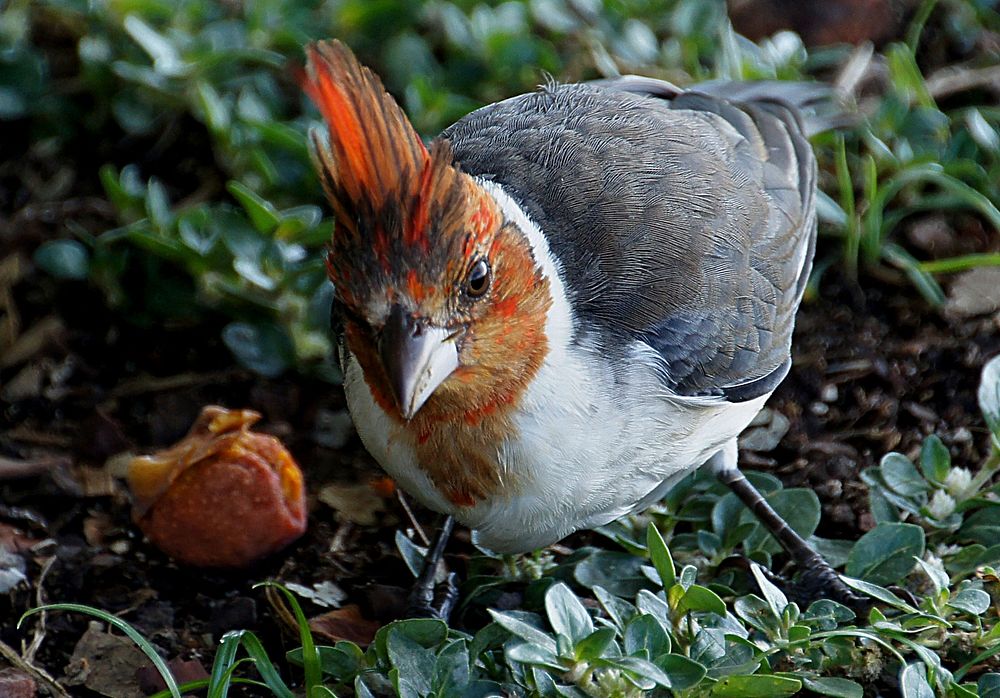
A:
{"x":478,"y":280}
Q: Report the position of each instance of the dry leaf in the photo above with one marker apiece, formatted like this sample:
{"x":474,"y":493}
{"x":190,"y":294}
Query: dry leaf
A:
{"x":357,"y":503}
{"x":345,"y":623}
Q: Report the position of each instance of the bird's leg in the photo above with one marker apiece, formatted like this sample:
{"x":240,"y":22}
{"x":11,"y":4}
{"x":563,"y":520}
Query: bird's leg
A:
{"x":426,"y":600}
{"x":817,"y":578}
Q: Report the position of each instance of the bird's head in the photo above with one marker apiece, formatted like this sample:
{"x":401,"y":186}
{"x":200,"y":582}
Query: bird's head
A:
{"x":442,"y":301}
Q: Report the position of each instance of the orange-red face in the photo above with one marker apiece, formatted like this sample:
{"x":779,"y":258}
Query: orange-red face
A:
{"x":443,"y":303}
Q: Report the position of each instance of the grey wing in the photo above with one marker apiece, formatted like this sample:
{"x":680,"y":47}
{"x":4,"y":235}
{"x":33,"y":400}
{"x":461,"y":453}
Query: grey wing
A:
{"x":680,"y":219}
{"x":738,"y":345}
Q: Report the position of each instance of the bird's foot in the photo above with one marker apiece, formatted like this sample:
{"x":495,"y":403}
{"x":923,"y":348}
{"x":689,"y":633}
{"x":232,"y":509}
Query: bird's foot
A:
{"x":819,"y":580}
{"x":433,"y":601}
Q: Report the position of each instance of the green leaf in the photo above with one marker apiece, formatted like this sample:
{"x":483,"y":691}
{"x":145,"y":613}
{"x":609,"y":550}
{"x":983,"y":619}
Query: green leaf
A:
{"x":935,"y":461}
{"x":63,"y":259}
{"x":426,"y":632}
{"x":939,"y":578}
{"x":166,"y":59}
{"x":158,"y":207}
{"x":834,"y":686}
{"x":775,"y":598}
{"x":756,"y":686}
{"x":886,"y":553}
{"x":972,"y":601}
{"x":660,"y":556}
{"x":650,"y":603}
{"x":566,"y":614}
{"x":989,"y":396}
{"x":800,"y":509}
{"x":262,"y":213}
{"x":360,"y":689}
{"x":639,"y":667}
{"x":902,"y":476}
{"x":758,"y":613}
{"x":311,"y":662}
{"x":683,"y":671}
{"x":827,"y":614}
{"x":263,"y":348}
{"x":619,"y":610}
{"x":451,"y":669}
{"x":343,"y":661}
{"x":703,"y":599}
{"x":644,"y":632}
{"x":594,"y":645}
{"x":518,"y":627}
{"x":913,"y":682}
{"x":533,"y":654}
{"x":877,"y":592}
{"x":988,"y":686}
{"x":982,"y":525}
{"x":618,"y":573}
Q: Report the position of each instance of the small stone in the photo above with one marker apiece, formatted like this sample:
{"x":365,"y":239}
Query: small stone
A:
{"x":333,"y":428}
{"x":819,"y":409}
{"x":866,"y":522}
{"x":831,"y":489}
{"x":829,"y":393}
{"x":975,"y":292}
{"x":14,"y":683}
{"x":961,"y":436}
{"x":841,"y":513}
{"x":239,"y":612}
{"x":765,"y":432}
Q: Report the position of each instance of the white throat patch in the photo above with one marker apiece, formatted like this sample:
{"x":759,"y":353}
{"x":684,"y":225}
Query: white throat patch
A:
{"x":559,"y":323}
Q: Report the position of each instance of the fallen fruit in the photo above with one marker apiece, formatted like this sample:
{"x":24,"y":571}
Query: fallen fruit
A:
{"x":223,"y":496}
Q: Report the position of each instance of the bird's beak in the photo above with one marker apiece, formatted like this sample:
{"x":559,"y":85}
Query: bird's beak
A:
{"x":417,"y":358}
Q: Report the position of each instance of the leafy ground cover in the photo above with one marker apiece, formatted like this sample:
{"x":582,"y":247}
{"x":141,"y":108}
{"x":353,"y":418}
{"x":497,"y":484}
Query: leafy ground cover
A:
{"x":162,"y":228}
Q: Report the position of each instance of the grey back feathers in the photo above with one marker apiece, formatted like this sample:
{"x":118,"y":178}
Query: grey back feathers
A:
{"x":682,"y":219}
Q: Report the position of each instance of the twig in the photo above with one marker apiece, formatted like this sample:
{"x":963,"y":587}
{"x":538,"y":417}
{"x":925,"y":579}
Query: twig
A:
{"x":39,"y":674}
{"x":39,"y":634}
{"x":948,"y":81}
{"x":148,"y":384}
{"x":413,"y":519}
{"x":12,"y":468}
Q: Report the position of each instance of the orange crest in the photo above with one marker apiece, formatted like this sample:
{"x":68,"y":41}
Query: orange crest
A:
{"x":375,"y":167}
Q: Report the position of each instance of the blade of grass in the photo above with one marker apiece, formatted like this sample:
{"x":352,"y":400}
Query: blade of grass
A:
{"x":265,"y":666}
{"x":925,"y":283}
{"x":130,"y":632}
{"x":852,"y":232}
{"x":962,"y":263}
{"x":198,"y":684}
{"x":224,"y":664}
{"x":925,"y":173}
{"x":916,"y":27}
{"x":311,"y":663}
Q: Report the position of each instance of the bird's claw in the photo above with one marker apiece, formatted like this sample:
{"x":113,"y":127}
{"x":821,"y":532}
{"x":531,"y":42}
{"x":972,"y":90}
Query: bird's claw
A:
{"x":819,"y":581}
{"x":437,"y":601}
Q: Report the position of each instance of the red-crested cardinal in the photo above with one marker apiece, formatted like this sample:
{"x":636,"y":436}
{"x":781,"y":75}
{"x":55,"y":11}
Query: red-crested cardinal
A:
{"x":569,"y":300}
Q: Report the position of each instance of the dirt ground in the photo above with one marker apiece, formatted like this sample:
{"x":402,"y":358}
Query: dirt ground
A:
{"x":875,"y":370}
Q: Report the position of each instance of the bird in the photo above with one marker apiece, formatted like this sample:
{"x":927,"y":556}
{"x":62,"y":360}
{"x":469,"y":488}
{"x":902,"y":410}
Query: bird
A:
{"x":570,"y":299}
